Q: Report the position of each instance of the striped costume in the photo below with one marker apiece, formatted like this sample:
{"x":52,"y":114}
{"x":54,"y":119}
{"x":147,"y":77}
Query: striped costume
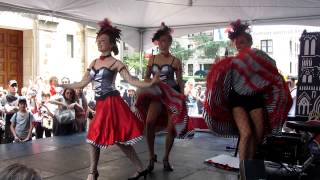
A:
{"x":173,"y":102}
{"x":250,"y":72}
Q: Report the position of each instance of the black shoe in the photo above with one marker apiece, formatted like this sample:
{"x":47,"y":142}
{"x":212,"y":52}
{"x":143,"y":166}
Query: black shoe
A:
{"x":151,"y":163}
{"x":167,"y":166}
{"x":143,"y":173}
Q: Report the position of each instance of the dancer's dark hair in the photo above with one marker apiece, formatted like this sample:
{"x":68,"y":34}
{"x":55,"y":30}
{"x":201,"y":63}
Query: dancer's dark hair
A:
{"x":164,"y":30}
{"x":113,"y":32}
{"x":239,"y":29}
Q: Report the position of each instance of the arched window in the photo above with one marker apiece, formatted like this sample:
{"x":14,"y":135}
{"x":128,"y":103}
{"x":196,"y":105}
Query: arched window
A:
{"x":303,"y":106}
{"x":310,"y":79}
{"x":304,"y":78}
{"x":313,"y":47}
{"x":306,"y":47}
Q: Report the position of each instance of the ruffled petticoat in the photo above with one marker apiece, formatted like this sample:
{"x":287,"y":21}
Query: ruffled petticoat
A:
{"x":172,"y":102}
{"x":250,"y":72}
{"x":114,"y":123}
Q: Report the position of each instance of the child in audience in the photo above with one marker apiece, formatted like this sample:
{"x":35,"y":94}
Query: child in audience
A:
{"x":21,"y":123}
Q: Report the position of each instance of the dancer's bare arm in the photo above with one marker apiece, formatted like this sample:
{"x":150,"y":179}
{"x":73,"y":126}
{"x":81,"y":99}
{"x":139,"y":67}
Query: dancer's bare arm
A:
{"x":86,"y":79}
{"x":122,"y":69}
{"x":148,"y":72}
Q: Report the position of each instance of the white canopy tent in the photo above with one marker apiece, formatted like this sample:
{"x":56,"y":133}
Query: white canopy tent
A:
{"x":138,"y":19}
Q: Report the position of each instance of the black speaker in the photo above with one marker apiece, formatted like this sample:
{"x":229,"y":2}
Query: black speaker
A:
{"x":284,"y":148}
{"x":252,"y":170}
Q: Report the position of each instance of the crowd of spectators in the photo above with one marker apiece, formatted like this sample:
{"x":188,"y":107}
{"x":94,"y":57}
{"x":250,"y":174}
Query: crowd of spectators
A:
{"x":43,"y":110}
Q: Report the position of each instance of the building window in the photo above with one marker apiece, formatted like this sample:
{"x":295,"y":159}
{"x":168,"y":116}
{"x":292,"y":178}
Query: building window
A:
{"x":306,"y":47}
{"x":70,"y":46}
{"x":267,"y":46}
{"x":125,"y":47}
{"x":313,"y":47}
{"x":190,"y":69}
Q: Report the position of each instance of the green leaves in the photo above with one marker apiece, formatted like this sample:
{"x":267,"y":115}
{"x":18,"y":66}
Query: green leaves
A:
{"x":132,"y":61}
{"x":180,"y":52}
{"x":207,"y":47}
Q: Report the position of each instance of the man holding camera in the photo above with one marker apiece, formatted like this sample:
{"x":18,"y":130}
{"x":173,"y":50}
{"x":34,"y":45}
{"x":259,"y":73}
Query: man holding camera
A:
{"x":10,"y":103}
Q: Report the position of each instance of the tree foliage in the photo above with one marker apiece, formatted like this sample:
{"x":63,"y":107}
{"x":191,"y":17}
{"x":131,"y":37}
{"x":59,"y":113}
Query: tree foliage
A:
{"x":133,"y":62}
{"x":180,"y":52}
{"x":209,"y":48}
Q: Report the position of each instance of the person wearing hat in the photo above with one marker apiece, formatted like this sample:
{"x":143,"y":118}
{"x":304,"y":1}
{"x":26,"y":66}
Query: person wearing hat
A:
{"x":10,"y":103}
{"x":130,"y":95}
{"x":21,"y":122}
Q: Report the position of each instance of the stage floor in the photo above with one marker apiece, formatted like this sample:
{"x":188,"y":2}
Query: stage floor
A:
{"x":66,"y":158}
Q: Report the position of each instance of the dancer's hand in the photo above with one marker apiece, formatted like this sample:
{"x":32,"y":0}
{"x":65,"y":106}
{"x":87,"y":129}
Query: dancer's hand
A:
{"x":156,"y":79}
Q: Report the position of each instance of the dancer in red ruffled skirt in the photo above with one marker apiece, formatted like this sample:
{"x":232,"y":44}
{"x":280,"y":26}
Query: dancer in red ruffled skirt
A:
{"x":113,"y":122}
{"x":163,"y":106}
{"x":246,"y":94}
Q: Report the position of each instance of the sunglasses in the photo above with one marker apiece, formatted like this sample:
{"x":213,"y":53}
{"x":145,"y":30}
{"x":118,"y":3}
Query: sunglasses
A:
{"x":14,"y":85}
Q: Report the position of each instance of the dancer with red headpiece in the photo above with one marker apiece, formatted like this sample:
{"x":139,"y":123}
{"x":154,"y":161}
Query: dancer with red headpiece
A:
{"x":246,"y":94}
{"x":165,"y":102}
{"x":113,"y":122}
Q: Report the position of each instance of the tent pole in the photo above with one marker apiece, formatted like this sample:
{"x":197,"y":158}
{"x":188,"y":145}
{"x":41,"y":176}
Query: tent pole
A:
{"x":141,"y":32}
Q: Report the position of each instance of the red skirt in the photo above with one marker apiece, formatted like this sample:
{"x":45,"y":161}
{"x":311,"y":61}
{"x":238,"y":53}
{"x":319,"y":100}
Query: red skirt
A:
{"x":114,"y":123}
{"x":249,"y":73}
{"x":172,"y":102}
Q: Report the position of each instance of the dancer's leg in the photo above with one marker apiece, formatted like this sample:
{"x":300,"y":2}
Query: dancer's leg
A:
{"x":257,"y":117}
{"x":130,"y":152}
{"x":242,"y":121}
{"x":169,"y":143}
{"x":169,"y":139}
{"x":94,"y":153}
{"x":153,"y":113}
